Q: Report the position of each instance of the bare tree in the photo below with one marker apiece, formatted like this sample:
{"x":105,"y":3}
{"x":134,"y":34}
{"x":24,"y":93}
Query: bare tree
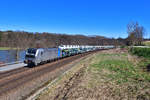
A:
{"x":135,"y":33}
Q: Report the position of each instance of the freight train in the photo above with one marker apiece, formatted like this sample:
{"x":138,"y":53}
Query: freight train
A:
{"x":36,"y":56}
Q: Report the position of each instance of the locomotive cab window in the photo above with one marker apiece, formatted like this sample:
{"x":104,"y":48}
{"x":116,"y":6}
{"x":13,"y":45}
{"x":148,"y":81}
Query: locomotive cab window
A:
{"x":31,"y":51}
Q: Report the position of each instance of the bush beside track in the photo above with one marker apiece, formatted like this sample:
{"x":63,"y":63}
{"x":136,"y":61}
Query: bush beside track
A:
{"x":141,"y":52}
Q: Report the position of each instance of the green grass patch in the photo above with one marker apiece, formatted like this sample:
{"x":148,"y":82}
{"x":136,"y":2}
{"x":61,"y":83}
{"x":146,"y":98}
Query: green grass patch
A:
{"x":120,"y":69}
{"x":146,"y":43}
{"x":144,"y":53}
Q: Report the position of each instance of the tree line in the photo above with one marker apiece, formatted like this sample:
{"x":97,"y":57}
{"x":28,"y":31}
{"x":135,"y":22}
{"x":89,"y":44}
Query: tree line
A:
{"x":22,"y":39}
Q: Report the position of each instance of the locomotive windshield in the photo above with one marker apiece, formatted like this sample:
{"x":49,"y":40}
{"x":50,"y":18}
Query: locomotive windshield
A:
{"x":31,"y":53}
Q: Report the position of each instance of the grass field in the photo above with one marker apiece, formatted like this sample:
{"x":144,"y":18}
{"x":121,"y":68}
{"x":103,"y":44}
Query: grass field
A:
{"x":147,"y":43}
{"x":7,"y":48}
{"x":108,"y":75}
{"x":120,"y":69}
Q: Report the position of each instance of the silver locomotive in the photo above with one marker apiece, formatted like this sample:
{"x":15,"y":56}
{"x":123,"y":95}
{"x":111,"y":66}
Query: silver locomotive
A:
{"x":35,"y":56}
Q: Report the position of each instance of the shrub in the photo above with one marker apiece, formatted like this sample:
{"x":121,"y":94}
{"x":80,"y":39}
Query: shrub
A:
{"x":122,"y":47}
{"x":144,"y":52}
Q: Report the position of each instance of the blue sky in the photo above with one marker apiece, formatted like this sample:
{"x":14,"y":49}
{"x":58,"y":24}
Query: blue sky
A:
{"x":87,"y":17}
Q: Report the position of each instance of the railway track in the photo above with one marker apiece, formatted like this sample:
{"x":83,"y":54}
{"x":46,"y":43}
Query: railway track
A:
{"x":15,"y":78}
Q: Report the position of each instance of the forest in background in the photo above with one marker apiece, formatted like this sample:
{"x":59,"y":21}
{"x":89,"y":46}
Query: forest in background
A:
{"x":23,"y":40}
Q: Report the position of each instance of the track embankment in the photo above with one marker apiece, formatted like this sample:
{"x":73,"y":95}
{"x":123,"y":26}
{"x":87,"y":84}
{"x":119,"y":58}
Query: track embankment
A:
{"x":107,"y":75}
{"x":20,"y":83}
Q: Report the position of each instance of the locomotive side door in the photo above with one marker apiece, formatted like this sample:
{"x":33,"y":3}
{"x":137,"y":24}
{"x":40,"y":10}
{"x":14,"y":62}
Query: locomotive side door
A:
{"x":38,"y":58}
{"x":42,"y":56}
